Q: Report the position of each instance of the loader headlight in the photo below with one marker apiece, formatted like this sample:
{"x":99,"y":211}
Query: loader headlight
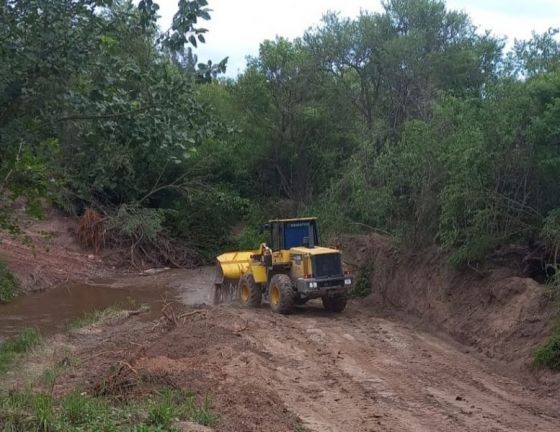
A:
{"x":312,"y":284}
{"x":347,"y":281}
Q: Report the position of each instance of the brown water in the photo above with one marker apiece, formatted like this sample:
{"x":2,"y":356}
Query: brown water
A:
{"x":53,"y":310}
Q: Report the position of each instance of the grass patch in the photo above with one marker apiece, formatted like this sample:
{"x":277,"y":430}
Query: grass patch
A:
{"x":22,"y":411}
{"x":90,"y":318}
{"x":180,"y":405}
{"x":12,"y":349}
{"x":8,"y":284}
{"x":548,"y":355}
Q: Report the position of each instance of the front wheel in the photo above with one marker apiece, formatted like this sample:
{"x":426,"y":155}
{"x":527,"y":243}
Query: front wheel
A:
{"x":335,"y":303}
{"x":250,"y":292}
{"x":281,"y":294}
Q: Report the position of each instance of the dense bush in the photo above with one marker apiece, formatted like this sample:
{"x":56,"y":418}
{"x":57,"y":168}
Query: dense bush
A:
{"x":407,"y":120}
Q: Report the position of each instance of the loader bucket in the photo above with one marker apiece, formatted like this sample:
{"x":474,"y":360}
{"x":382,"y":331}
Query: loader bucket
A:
{"x":229,"y":268}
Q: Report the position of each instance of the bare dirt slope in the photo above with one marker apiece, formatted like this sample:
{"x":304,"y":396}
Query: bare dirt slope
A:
{"x":494,"y":309}
{"x":312,"y":370}
{"x":47,"y":252}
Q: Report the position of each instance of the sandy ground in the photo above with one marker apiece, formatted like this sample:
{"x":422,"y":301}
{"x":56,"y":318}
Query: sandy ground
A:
{"x":307,"y":371}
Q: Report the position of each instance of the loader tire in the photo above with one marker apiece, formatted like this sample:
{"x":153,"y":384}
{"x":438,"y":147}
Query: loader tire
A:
{"x":335,"y":303}
{"x":281,"y":294}
{"x":250,"y":292}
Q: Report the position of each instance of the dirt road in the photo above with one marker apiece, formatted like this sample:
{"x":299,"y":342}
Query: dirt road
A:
{"x":356,"y":372}
{"x":307,"y":371}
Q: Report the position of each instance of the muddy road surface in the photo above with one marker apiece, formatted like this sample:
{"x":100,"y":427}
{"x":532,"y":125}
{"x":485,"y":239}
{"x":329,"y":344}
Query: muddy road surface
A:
{"x":356,"y":372}
{"x":309,"y":371}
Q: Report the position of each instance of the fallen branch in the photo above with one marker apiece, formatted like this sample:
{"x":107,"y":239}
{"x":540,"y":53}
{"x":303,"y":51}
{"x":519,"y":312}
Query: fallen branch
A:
{"x":190,"y":314}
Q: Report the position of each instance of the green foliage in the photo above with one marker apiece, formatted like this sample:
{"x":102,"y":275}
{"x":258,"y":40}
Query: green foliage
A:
{"x":80,"y":411}
{"x":8,"y":284}
{"x":550,"y":231}
{"x":204,"y":219}
{"x":136,"y":222}
{"x":172,"y":405}
{"x":115,"y":122}
{"x":549,"y":354}
{"x":13,"y":348}
{"x":406,"y":120}
{"x":362,"y":284}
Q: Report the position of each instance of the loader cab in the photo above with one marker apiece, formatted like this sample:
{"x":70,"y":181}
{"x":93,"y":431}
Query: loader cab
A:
{"x":289,"y":233}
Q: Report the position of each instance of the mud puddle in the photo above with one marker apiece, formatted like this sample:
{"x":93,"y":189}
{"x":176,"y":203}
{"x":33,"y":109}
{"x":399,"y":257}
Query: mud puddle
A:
{"x":53,"y":310}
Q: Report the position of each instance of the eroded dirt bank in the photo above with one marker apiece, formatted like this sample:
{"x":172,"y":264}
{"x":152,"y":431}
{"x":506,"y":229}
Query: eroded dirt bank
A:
{"x":323,"y":372}
{"x":47,"y":253}
{"x":502,"y":314}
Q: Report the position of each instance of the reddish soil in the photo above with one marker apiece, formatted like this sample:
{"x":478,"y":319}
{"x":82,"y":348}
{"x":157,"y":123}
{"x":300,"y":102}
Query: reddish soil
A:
{"x":497,"y":311}
{"x":48,"y":253}
{"x":308,"y":371}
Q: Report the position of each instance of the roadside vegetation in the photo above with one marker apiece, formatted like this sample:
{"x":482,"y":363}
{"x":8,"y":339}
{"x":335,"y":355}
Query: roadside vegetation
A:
{"x":21,"y":411}
{"x":8,"y":284}
{"x":548,"y":355}
{"x":362,"y":284}
{"x":409,"y":120}
{"x":14,"y":348}
{"x":96,"y":316}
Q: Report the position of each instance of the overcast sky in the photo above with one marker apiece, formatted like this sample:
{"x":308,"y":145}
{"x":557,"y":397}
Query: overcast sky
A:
{"x":238,"y":27}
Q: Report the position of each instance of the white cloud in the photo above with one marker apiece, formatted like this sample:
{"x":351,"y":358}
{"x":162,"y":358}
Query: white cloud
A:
{"x":238,"y":26}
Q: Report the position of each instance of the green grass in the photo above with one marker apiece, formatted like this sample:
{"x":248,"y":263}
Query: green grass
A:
{"x":548,"y":355}
{"x":8,"y":284}
{"x":23,"y":411}
{"x":173,"y":405}
{"x":14,"y":348}
{"x":90,"y":318}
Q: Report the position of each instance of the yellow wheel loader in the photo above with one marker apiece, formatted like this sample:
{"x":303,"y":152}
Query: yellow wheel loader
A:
{"x":291,"y":269}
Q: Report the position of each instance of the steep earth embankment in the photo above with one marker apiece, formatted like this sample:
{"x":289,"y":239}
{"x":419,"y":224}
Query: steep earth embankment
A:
{"x":497,"y":311}
{"x":47,"y":253}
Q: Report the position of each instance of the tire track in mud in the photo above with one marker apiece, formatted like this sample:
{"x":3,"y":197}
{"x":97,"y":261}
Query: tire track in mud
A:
{"x":356,"y":372}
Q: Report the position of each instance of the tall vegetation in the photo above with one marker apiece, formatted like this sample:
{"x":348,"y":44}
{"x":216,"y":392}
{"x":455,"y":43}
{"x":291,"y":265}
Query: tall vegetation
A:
{"x":410,"y":120}
{"x":99,"y":108}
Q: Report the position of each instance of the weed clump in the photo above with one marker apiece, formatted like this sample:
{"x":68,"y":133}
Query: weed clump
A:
{"x":548,"y":355}
{"x":12,"y":348}
{"x":80,"y":411}
{"x":362,"y":285}
{"x":93,"y":317}
{"x":8,"y":284}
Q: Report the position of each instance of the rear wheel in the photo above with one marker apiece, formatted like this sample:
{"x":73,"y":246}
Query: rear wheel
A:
{"x":250,"y":292}
{"x":281,"y":294}
{"x":335,"y":303}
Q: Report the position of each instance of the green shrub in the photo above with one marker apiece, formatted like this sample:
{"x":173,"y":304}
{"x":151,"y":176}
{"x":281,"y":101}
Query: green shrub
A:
{"x":362,"y":285}
{"x":548,"y":355}
{"x":8,"y":284}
